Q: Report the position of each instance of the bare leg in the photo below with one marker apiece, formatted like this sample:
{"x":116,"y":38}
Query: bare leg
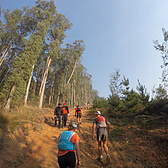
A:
{"x":105,"y":147}
{"x":99,"y":148}
{"x":78,"y":120}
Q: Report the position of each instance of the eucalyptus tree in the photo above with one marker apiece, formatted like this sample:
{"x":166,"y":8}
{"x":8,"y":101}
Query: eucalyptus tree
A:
{"x":24,"y":62}
{"x":38,"y":21}
{"x":10,"y":33}
{"x":12,"y":42}
{"x":56,"y":34}
{"x":66,"y":64}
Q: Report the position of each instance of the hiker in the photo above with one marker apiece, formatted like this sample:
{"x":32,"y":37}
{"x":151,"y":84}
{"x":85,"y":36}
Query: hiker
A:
{"x":78,"y":114}
{"x":102,"y":126}
{"x":58,"y":115}
{"x":65,"y":115}
{"x":68,"y":144}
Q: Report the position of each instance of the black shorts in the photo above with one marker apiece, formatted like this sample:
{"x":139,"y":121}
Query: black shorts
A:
{"x":78,"y":115}
{"x":102,"y":134}
{"x":68,"y":160}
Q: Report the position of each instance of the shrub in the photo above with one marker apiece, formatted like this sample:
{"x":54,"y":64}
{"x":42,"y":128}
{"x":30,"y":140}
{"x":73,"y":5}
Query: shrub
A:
{"x":3,"y":121}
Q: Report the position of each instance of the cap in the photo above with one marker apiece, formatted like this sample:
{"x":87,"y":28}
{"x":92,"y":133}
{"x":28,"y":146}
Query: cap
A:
{"x":64,"y":104}
{"x":98,"y":112}
{"x":59,"y":104}
{"x":72,"y":125}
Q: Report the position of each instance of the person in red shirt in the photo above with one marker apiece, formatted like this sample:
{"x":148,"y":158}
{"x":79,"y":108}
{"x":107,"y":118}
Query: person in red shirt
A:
{"x":102,"y":126}
{"x":68,"y":144}
{"x":78,"y":114}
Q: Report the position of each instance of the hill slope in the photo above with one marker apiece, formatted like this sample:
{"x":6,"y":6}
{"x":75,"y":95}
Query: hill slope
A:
{"x":34,"y":144}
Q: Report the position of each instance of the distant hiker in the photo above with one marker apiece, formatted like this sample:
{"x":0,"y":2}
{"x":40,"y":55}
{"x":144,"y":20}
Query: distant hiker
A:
{"x":68,"y":144}
{"x":65,"y":115}
{"x":102,"y":126}
{"x":78,"y":114}
{"x":58,"y":115}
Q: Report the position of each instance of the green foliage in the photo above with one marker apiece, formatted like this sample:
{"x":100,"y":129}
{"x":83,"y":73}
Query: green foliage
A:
{"x":161,"y":93}
{"x":157,"y":107}
{"x":28,"y":38}
{"x":124,"y":101}
{"x":143,"y":95}
{"x":100,"y":103}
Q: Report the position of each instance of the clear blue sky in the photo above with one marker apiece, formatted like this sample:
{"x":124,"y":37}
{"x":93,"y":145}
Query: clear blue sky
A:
{"x":117,"y":34}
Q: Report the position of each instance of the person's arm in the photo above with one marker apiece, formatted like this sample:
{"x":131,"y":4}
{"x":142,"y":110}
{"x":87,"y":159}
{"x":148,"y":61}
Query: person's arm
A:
{"x":93,"y":130}
{"x":55,"y":112}
{"x":77,"y":148}
{"x":67,"y":110}
{"x":108,"y":127}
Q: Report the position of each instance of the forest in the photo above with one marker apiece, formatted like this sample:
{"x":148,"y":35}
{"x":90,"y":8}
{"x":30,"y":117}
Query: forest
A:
{"x":36,"y":67}
{"x":38,"y":71}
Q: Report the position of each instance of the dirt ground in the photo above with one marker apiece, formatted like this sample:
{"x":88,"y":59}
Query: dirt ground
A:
{"x":35,"y":145}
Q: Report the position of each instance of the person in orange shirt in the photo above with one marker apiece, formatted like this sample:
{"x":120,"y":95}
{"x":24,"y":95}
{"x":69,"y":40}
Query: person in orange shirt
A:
{"x":65,"y":115}
{"x":78,"y":114}
{"x":68,"y":144}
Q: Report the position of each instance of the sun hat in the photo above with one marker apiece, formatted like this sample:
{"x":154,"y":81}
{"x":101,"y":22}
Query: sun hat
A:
{"x":98,"y":112}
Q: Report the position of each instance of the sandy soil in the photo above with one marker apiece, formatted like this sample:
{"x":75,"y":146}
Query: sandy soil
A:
{"x":36,"y":146}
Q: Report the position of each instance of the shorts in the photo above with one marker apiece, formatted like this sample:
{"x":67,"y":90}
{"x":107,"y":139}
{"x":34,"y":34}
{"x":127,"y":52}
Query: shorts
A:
{"x":67,"y":160}
{"x":102,"y":134}
{"x":78,"y":115}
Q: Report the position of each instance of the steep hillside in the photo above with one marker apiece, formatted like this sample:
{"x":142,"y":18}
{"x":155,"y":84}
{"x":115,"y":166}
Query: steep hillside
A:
{"x":34,"y":144}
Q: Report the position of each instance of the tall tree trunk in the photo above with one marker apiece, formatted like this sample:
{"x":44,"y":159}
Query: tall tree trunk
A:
{"x":44,"y":83}
{"x":74,"y":102}
{"x":28,"y":87}
{"x":52,"y":97}
{"x":36,"y":82}
{"x":4,"y":55}
{"x":58,"y":97}
{"x":7,"y":106}
{"x":7,"y":48}
{"x":51,"y":92}
{"x":72,"y":71}
{"x":72,"y":96}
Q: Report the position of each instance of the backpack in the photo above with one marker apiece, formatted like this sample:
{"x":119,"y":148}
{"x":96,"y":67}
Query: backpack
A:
{"x":101,"y":122}
{"x":65,"y":141}
{"x":78,"y":110}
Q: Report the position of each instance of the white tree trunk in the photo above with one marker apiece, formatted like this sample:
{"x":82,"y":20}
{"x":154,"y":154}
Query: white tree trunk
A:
{"x":4,"y":55}
{"x":28,"y":86}
{"x":72,"y":71}
{"x":7,"y":106}
{"x":51,"y":93}
{"x":43,"y":83}
{"x":72,"y":96}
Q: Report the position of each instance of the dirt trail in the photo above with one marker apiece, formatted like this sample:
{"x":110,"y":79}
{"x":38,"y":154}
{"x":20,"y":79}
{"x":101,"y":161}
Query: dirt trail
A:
{"x":35,"y":146}
{"x":38,"y":148}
